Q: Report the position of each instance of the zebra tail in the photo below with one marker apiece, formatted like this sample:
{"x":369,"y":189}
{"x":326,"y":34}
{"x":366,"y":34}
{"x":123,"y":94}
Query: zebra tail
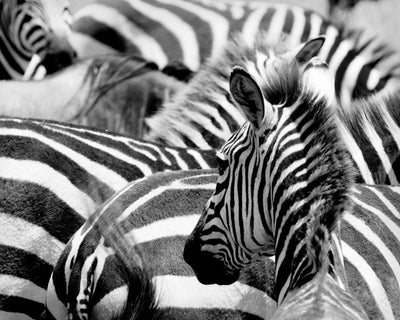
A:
{"x":141,"y":300}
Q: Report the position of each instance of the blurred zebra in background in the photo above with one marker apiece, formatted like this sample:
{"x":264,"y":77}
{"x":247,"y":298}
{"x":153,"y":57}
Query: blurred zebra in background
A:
{"x":34,"y":27}
{"x":192,"y":31}
{"x":52,"y":178}
{"x":204,"y":115}
{"x":111,"y":92}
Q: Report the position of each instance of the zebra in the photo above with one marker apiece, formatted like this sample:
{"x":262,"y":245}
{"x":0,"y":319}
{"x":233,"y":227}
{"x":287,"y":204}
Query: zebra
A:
{"x":285,"y":186}
{"x":92,"y":176}
{"x":139,"y":217}
{"x":53,"y":176}
{"x":203,"y":115}
{"x":32,"y":28}
{"x":112,"y":92}
{"x":135,"y":208}
{"x":194,"y":31}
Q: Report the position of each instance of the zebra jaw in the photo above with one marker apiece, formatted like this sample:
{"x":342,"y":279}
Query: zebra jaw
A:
{"x":206,"y":267}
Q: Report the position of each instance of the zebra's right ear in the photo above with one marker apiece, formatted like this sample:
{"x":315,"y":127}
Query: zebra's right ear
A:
{"x":248,"y":95}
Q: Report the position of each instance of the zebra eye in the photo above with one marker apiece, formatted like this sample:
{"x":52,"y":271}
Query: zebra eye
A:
{"x":222,"y":165}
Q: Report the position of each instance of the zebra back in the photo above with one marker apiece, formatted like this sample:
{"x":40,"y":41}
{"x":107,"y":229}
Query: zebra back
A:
{"x":152,"y":217}
{"x":30,"y":27}
{"x":141,"y":27}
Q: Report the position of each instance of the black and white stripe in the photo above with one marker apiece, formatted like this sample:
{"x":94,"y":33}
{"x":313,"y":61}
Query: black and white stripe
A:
{"x":285,"y":184}
{"x":34,"y":27}
{"x":52,"y":177}
{"x":158,"y":232}
{"x":204,"y":115}
{"x":192,"y":31}
{"x":150,"y":217}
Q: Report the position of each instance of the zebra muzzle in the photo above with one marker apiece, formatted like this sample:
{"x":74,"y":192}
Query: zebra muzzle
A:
{"x":206,"y":266}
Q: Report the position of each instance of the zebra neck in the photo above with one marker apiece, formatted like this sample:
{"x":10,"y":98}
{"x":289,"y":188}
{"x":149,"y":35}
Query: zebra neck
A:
{"x":318,"y":252}
{"x":308,"y":201}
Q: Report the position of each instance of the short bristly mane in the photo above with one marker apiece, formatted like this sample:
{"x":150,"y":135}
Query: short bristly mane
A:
{"x":330,"y":172}
{"x":209,"y":87}
{"x":108,"y":71}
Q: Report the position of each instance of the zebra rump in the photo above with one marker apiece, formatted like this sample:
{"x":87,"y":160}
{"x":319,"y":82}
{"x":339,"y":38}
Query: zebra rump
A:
{"x":53,"y":176}
{"x":146,"y":219}
{"x":149,"y":219}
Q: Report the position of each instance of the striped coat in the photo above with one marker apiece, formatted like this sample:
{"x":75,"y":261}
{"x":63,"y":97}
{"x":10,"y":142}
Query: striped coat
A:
{"x":155,"y":224}
{"x":193,"y":31}
{"x":53,"y":176}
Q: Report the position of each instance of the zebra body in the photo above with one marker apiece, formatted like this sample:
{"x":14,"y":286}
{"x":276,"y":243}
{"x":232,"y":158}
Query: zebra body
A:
{"x":156,"y":224}
{"x":204,"y":115}
{"x":193,"y":31}
{"x":285,"y":182}
{"x":113,"y":92}
{"x":34,"y":27}
{"x":53,"y":176}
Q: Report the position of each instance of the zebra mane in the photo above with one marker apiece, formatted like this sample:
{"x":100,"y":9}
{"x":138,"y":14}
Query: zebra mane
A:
{"x":107,"y":71}
{"x":141,"y":299}
{"x":208,"y":87}
{"x":329,"y":182}
{"x":115,"y":68}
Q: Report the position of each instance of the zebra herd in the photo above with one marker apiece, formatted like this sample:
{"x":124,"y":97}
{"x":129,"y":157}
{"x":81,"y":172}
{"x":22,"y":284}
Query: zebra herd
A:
{"x":266,"y":187}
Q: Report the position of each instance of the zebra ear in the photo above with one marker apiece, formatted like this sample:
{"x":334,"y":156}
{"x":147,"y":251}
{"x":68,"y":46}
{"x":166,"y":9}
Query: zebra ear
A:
{"x":305,"y":51}
{"x":248,"y":95}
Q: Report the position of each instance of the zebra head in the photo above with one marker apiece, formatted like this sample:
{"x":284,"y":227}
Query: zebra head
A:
{"x":284,"y":156}
{"x":40,"y":27}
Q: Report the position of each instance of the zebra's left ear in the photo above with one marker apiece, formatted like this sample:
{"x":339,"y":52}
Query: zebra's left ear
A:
{"x":306,"y":51}
{"x":248,"y":95}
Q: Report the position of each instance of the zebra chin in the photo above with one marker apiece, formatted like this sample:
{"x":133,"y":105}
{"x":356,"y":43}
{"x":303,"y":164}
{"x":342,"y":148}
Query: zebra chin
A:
{"x":207,"y":268}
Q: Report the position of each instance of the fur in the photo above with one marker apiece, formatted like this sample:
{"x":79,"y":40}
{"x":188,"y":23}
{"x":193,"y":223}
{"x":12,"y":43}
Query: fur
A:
{"x":210,"y":86}
{"x":378,"y":114}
